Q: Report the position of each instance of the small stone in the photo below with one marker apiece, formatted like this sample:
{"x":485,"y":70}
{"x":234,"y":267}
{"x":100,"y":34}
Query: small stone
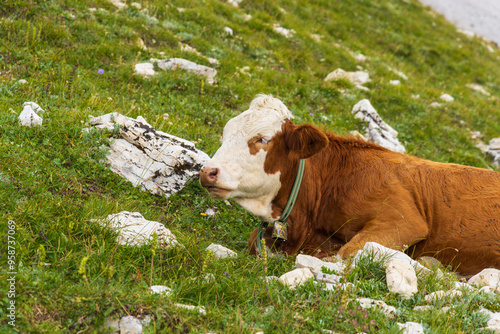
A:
{"x":296,"y":277}
{"x":423,"y":308}
{"x":487,"y":277}
{"x":22,"y":81}
{"x":411,"y":328}
{"x":328,"y":278}
{"x":136,"y":5}
{"x":283,"y":31}
{"x":356,"y":78}
{"x":435,"y":105}
{"x":395,"y":82}
{"x":199,"y":309}
{"x":112,"y":326}
{"x":134,"y":230}
{"x":174,"y":63}
{"x":442,"y":294}
{"x":221,"y":252}
{"x":130,"y":325}
{"x":234,"y":3}
{"x":144,"y":69}
{"x":367,"y":303}
{"x":447,"y":98}
{"x":494,"y":144}
{"x":315,"y":264}
{"x":161,"y":289}
{"x":29,"y":116}
{"x":118,"y":3}
{"x":479,"y":88}
{"x":228,"y":30}
{"x":401,"y":278}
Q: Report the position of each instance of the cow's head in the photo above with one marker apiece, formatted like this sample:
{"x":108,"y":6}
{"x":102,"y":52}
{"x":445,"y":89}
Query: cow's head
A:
{"x":256,"y":146}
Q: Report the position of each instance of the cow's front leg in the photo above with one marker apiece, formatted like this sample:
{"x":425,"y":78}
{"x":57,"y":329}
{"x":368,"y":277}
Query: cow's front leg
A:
{"x":395,"y":231}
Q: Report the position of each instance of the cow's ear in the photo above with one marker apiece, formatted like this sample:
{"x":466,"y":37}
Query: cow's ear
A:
{"x":303,"y":141}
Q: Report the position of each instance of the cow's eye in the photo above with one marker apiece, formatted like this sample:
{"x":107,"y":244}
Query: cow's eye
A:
{"x":263,"y":140}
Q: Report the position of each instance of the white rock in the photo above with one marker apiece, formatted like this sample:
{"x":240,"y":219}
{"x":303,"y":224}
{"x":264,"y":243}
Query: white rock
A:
{"x":487,"y":277}
{"x":411,"y":328}
{"x":315,"y":264}
{"x":357,"y":78}
{"x":234,"y":3}
{"x":447,"y":98}
{"x":161,"y":289}
{"x":199,"y":309}
{"x":395,"y":82}
{"x":380,"y":253}
{"x":296,"y":277}
{"x":336,"y":287}
{"x":283,"y":31}
{"x":423,"y":308}
{"x":316,"y":37}
{"x":401,"y":278}
{"x":130,"y":325}
{"x":154,"y":160}
{"x":399,"y":73}
{"x":377,"y":130}
{"x":174,"y":63}
{"x":368,"y":303}
{"x":136,"y":5}
{"x":29,"y":116}
{"x":134,"y":230}
{"x":435,"y":104}
{"x":118,"y":3}
{"x":493,"y":322}
{"x":144,"y":69}
{"x":328,"y":278}
{"x":220,"y":251}
{"x":22,"y":81}
{"x":442,"y":294}
{"x":228,"y":30}
{"x":360,"y":57}
{"x":478,"y":88}
{"x":112,"y":326}
{"x":464,"y":287}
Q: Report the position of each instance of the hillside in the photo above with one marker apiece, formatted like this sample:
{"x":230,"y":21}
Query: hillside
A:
{"x":76,"y":59}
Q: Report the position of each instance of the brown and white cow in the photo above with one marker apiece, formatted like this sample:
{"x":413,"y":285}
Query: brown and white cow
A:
{"x":354,"y":191}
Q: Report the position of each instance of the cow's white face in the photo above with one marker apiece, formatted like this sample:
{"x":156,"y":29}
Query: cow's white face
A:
{"x":237,"y":169}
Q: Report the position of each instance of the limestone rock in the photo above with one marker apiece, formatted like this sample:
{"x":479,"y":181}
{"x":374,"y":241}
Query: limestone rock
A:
{"x":135,"y":230}
{"x":234,"y":3}
{"x":154,"y":160}
{"x":492,"y":149}
{"x":174,"y":63}
{"x":447,"y":98}
{"x":442,"y":294}
{"x":395,"y":82}
{"x":161,"y":289}
{"x":29,"y":116}
{"x":296,"y":277}
{"x":479,"y":88}
{"x":411,"y":328}
{"x":144,"y":69}
{"x":487,"y":277}
{"x":367,"y":303}
{"x":423,"y":308}
{"x":283,"y":31}
{"x":493,"y":323}
{"x":199,"y":309}
{"x":118,"y":3}
{"x":377,"y":130}
{"x":328,"y":278}
{"x":380,"y":252}
{"x":401,"y":278}
{"x":221,"y":252}
{"x":357,"y":78}
{"x":130,"y":325}
{"x":315,"y":264}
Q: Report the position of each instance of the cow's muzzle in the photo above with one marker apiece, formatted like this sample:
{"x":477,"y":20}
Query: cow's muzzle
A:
{"x":209,"y":180}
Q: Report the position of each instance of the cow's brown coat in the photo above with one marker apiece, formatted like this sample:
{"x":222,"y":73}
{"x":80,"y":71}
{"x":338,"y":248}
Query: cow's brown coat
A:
{"x":354,"y":192}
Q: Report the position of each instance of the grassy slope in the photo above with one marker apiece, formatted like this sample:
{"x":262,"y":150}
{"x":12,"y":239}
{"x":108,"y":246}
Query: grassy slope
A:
{"x":52,"y":184}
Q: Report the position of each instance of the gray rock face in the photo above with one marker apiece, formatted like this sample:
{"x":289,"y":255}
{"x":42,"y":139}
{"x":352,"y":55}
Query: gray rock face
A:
{"x":492,"y":149}
{"x":377,"y":130}
{"x":154,"y":160}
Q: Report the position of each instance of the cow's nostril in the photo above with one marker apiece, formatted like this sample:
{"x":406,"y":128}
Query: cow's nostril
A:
{"x":213,"y":173}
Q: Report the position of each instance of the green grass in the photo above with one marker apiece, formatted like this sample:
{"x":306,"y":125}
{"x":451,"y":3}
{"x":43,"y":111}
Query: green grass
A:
{"x":53,"y":180}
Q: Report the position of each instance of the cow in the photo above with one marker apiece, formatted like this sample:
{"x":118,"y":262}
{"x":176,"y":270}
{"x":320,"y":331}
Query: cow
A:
{"x":353,"y":192}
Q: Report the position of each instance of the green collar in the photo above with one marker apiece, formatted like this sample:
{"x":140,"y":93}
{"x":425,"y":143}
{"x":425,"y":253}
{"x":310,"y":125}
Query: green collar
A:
{"x":288,"y":207}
